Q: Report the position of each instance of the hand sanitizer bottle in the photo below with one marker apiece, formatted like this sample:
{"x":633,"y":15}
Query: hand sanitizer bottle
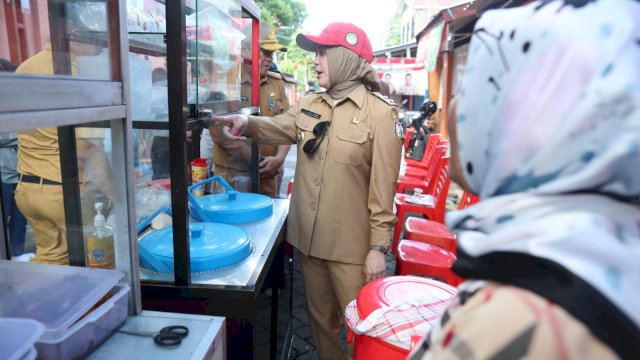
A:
{"x":99,"y":243}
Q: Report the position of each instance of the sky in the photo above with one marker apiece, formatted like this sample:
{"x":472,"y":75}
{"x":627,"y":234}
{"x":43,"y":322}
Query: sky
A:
{"x":370,"y":16}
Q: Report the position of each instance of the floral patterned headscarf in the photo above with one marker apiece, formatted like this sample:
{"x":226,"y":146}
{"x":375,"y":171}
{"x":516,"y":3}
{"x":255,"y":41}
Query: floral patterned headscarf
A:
{"x":549,"y":135}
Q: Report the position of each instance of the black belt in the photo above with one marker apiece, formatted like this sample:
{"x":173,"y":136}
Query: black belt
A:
{"x":37,"y":180}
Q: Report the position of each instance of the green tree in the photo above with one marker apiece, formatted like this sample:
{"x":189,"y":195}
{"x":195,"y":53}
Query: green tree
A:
{"x":287,"y":16}
{"x":393,"y":32}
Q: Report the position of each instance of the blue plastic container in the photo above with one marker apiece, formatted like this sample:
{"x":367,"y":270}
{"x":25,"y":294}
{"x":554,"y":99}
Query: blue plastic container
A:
{"x":231,"y":207}
{"x":213,"y":246}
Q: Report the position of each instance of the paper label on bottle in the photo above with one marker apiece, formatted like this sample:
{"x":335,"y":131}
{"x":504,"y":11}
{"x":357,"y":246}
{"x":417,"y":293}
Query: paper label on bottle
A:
{"x":101,"y":253}
{"x":198,"y":173}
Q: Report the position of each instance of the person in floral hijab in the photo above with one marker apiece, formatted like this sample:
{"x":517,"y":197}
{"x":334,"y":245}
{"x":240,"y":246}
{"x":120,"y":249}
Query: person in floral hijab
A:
{"x":547,"y":132}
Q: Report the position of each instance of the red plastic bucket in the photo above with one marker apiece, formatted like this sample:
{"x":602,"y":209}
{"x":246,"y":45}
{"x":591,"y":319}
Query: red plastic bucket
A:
{"x":367,"y":347}
{"x":384,"y":292}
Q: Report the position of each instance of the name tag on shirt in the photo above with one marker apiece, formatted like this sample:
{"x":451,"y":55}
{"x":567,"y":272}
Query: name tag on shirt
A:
{"x":310,"y":113}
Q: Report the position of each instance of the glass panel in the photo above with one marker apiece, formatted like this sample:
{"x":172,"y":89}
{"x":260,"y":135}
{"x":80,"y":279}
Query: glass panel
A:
{"x":214,"y":34}
{"x":246,"y":62}
{"x":151,"y":163}
{"x":146,"y":25}
{"x":151,"y":155}
{"x":55,"y":37}
{"x":94,"y":152}
{"x":33,"y":168}
{"x":14,"y":221}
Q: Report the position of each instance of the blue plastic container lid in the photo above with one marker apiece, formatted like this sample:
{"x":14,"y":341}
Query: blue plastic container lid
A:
{"x":57,"y":296}
{"x":213,"y":246}
{"x":234,"y":207}
{"x":18,"y":337}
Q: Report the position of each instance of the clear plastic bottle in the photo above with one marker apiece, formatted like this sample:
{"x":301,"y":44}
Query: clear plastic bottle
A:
{"x":99,"y":243}
{"x":417,"y":195}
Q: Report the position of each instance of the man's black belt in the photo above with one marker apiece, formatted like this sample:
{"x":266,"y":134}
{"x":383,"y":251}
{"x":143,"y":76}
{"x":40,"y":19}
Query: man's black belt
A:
{"x":37,"y":180}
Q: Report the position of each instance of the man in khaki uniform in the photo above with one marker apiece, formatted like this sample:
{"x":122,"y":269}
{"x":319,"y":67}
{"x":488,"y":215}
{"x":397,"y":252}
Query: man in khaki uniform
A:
{"x":39,"y":192}
{"x":349,"y":148}
{"x":232,"y":158}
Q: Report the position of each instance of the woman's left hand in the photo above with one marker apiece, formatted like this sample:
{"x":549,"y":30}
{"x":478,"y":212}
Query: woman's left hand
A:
{"x":375,"y":266}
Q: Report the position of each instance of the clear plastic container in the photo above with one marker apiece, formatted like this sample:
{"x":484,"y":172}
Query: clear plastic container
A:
{"x":58,"y":297}
{"x":18,"y":337}
{"x":89,"y":332}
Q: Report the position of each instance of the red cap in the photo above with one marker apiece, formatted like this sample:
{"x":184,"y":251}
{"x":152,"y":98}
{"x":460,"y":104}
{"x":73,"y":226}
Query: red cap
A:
{"x":338,"y":33}
{"x":199,"y":162}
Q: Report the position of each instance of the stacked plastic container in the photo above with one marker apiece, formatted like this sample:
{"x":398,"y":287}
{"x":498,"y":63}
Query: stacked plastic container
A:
{"x":18,"y":338}
{"x":79,"y":308}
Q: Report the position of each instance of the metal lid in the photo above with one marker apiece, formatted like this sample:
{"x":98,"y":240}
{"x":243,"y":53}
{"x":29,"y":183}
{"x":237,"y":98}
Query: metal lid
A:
{"x":232,"y":207}
{"x":213,"y":246}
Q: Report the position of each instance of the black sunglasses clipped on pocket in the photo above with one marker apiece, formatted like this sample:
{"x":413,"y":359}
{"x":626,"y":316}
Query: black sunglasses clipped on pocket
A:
{"x":312,"y":145}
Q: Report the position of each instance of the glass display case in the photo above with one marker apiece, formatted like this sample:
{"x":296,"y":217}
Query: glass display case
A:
{"x":197,"y":56}
{"x":66,"y":138}
{"x":117,"y":93}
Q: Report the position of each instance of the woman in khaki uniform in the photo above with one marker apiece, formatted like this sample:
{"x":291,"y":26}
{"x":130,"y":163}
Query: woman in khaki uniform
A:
{"x":232,"y":158}
{"x":349,"y":148}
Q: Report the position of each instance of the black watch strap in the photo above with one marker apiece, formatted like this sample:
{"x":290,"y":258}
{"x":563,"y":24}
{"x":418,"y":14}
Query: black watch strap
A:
{"x":381,"y":248}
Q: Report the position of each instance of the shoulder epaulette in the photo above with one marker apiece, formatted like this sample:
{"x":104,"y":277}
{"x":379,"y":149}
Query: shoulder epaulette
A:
{"x":274,"y":75}
{"x":383,"y":98}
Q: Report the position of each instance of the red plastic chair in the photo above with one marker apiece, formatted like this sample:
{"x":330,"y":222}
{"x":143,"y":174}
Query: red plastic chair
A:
{"x":433,"y":232}
{"x":424,"y":163}
{"x":290,"y":187}
{"x":430,"y":232}
{"x":407,"y":137}
{"x":418,"y":258}
{"x":426,"y":171}
{"x":425,"y":179}
{"x":432,"y":142}
{"x":436,"y":212}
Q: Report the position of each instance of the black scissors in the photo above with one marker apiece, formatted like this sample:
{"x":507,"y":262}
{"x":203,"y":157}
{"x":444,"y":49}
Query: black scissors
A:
{"x":167,"y":336}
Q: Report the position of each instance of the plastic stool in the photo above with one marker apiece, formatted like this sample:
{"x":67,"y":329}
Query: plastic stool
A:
{"x":417,"y":258}
{"x":430,"y":232}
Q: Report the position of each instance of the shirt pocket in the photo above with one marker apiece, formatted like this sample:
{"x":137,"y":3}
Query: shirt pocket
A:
{"x":275,"y":105}
{"x":350,"y":147}
{"x":279,"y":107}
{"x":304,"y":131}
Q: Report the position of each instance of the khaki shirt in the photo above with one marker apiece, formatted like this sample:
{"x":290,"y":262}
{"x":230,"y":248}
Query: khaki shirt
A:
{"x":273,"y":101}
{"x":38,"y":150}
{"x":342,"y":200}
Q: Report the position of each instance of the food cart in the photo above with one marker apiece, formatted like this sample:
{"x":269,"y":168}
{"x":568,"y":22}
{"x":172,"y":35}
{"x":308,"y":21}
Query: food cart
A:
{"x":113,"y":92}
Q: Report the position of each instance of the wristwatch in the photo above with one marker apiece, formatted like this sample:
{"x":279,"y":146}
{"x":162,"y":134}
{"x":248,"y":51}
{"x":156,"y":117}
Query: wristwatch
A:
{"x":381,"y":248}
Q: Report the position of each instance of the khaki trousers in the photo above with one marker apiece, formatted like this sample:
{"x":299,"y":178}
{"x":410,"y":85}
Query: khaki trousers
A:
{"x":330,"y":286}
{"x":43,"y":207}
